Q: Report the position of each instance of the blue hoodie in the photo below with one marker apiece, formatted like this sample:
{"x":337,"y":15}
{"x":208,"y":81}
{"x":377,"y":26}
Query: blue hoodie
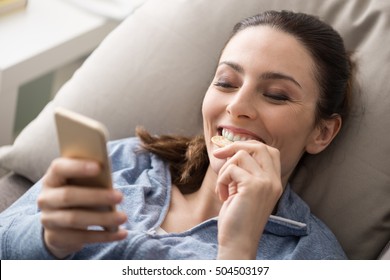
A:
{"x":144,"y":179}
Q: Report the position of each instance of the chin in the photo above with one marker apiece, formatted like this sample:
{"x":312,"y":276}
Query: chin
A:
{"x":216,"y":164}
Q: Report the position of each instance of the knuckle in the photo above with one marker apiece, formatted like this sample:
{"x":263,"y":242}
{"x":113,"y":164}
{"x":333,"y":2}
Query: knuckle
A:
{"x":46,"y":221}
{"x":65,"y":196}
{"x":71,"y":219}
{"x":274,"y":151}
{"x":242,"y":153}
{"x":41,"y":201}
{"x":45,"y":179}
{"x":230,"y":168}
{"x":55,"y":165}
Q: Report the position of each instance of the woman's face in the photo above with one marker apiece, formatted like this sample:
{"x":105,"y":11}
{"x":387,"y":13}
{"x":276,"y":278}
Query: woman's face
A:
{"x":264,"y":89}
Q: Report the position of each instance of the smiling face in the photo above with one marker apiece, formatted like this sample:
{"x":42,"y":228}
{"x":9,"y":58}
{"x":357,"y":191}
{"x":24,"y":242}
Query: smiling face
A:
{"x":264,"y":89}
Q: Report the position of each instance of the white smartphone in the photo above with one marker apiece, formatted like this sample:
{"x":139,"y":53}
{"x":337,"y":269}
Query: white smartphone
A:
{"x":84,"y":138}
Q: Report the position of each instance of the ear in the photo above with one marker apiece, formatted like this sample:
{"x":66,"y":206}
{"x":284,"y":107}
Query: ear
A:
{"x":323,"y":134}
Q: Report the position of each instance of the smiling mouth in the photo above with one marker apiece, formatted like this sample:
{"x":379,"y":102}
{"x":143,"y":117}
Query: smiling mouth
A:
{"x":234,"y":136}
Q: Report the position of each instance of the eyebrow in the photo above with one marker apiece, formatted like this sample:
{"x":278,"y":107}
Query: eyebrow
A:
{"x":233,"y":65}
{"x":263,"y":76}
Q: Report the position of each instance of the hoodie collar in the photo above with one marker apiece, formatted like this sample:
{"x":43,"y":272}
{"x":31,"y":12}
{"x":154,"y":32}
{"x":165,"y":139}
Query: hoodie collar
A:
{"x":292,"y":216}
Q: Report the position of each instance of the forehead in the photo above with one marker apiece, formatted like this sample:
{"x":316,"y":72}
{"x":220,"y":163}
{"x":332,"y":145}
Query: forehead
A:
{"x":263,"y":48}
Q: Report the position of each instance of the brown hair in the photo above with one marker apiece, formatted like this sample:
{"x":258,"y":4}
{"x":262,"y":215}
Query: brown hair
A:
{"x":188,"y":157}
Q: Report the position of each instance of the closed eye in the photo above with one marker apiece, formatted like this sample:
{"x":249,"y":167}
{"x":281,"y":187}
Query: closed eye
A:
{"x":223,"y":85}
{"x":278,"y":97}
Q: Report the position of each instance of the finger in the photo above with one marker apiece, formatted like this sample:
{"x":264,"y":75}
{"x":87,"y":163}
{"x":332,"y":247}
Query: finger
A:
{"x":230,"y":150}
{"x":266,"y":156}
{"x":81,"y":219}
{"x":62,"y":169}
{"x":227,"y":182}
{"x":73,"y":240}
{"x":104,"y":236}
{"x":244,"y":170}
{"x":244,"y":160}
{"x":76,"y":196}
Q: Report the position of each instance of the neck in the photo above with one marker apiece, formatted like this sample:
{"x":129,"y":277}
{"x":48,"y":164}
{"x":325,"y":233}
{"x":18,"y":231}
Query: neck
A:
{"x":206,"y":200}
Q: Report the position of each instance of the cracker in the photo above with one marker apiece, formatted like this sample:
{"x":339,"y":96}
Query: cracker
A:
{"x":220,"y":141}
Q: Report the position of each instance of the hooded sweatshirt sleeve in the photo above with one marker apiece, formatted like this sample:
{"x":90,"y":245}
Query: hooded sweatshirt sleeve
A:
{"x":21,"y":229}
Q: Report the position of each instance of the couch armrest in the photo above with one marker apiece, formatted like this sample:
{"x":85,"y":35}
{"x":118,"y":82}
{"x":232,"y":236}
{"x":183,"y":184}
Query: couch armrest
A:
{"x":12,"y":186}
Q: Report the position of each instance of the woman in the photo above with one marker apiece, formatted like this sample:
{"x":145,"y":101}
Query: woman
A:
{"x":281,"y":89}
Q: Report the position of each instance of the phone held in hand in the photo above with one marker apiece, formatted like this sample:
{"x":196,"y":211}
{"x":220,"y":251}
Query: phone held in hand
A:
{"x":81,"y":137}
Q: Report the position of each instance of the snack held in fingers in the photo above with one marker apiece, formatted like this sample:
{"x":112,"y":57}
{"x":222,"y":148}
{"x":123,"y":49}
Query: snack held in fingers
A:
{"x":221,"y":141}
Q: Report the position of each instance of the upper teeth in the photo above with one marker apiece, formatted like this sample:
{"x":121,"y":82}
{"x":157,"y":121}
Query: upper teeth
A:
{"x":232,"y":137}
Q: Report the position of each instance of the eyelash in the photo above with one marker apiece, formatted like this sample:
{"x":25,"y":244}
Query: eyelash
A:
{"x":278,"y":97}
{"x":275,"y":97}
{"x":223,"y":85}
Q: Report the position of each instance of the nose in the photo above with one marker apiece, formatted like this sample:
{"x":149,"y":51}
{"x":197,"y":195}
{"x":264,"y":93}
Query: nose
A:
{"x":242,"y":104}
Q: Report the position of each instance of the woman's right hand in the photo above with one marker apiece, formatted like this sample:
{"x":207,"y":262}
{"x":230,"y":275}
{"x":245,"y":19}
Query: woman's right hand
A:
{"x":67,"y":210}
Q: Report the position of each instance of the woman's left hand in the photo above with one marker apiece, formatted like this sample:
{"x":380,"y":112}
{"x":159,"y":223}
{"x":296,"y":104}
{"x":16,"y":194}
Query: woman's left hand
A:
{"x":250,"y":185}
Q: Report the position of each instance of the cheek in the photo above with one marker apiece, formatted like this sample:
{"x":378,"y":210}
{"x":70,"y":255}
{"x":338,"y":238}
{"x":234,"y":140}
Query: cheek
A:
{"x":211,"y":110}
{"x":290,"y":155}
{"x":290,"y":129}
{"x":209,"y":104}
{"x":293,"y":139}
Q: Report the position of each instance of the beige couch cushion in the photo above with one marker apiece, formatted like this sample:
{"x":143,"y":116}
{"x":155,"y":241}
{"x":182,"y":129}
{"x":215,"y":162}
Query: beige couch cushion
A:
{"x":155,"y":67}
